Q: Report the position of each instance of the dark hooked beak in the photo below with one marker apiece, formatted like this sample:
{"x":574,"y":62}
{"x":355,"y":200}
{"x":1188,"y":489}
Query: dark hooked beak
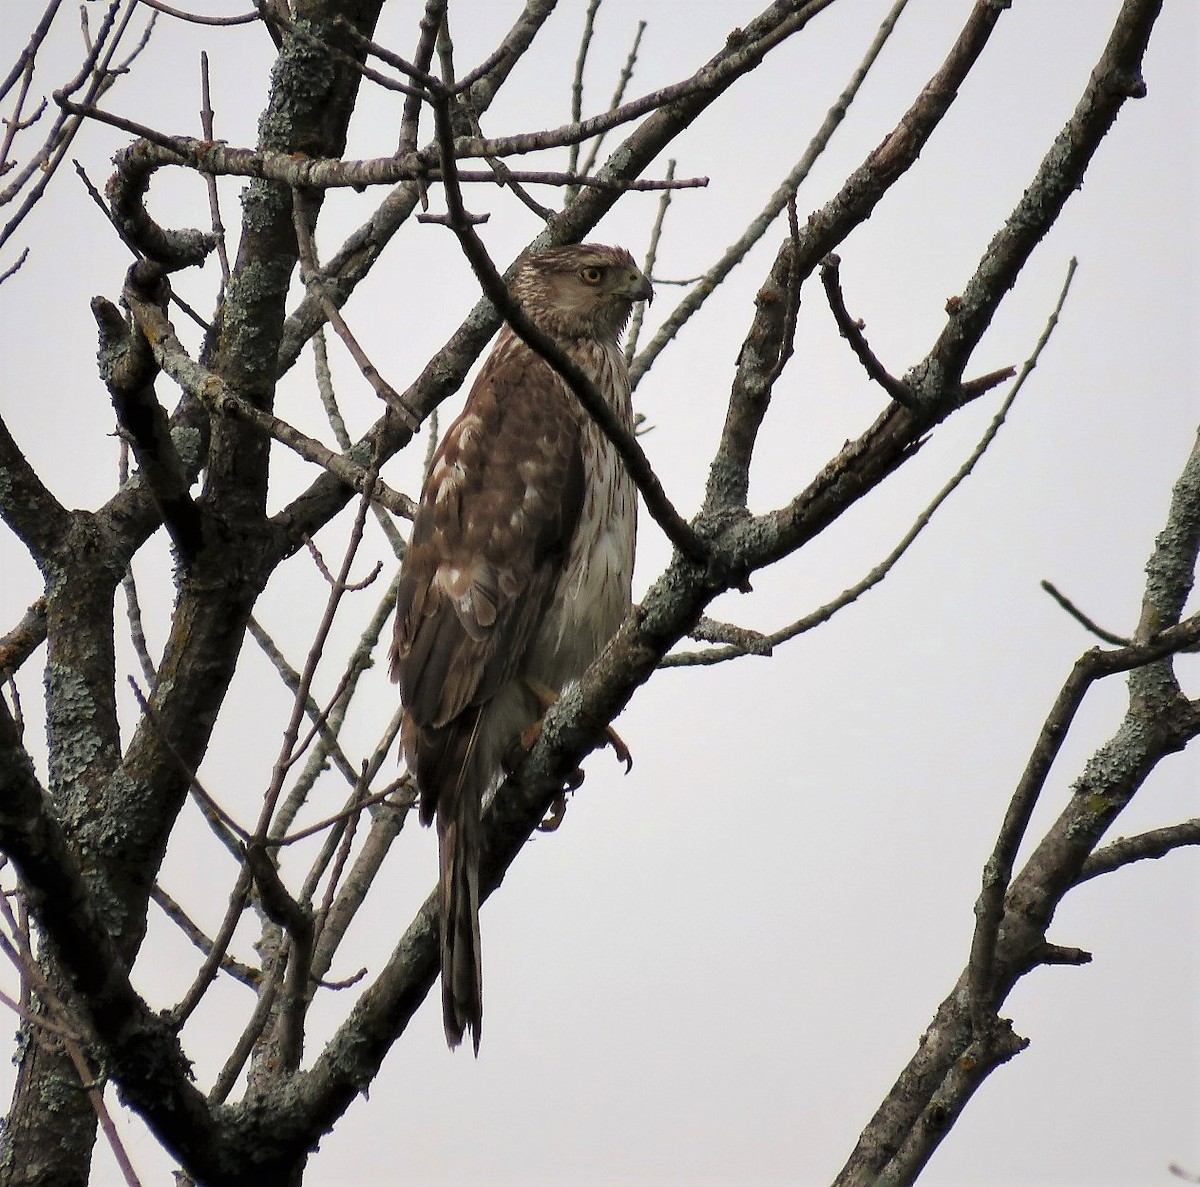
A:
{"x":640,"y":288}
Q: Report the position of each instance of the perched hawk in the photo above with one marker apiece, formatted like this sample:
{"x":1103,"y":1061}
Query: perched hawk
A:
{"x":518,"y":571}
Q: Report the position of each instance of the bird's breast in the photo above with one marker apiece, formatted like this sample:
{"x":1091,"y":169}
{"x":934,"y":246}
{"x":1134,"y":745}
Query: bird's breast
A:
{"x":592,"y":595}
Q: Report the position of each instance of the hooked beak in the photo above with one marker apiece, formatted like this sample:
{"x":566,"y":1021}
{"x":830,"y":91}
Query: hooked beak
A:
{"x":639,"y":288}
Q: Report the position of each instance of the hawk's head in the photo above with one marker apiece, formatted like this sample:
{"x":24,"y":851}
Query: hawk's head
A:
{"x":586,"y":290}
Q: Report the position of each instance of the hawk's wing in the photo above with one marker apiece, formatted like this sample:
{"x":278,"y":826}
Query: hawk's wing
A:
{"x":490,"y":537}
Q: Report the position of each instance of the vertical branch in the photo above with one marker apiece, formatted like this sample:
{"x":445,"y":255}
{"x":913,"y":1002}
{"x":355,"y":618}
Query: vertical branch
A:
{"x":618,"y":96}
{"x":648,"y":264}
{"x":410,"y":118}
{"x":210,"y":180}
{"x":585,"y":41}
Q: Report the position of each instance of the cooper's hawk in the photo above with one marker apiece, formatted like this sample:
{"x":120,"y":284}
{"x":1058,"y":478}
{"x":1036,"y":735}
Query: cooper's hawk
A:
{"x":518,"y":571}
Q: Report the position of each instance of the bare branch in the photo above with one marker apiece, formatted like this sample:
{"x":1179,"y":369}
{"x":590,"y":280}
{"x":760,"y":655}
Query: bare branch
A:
{"x":214,"y":201}
{"x":134,"y":1036}
{"x":1083,"y":620}
{"x":99,"y":72}
{"x":181,"y":919}
{"x":218,"y":397}
{"x":617,"y":95}
{"x":195,"y":18}
{"x":37,"y":518}
{"x":228,"y":831}
{"x":823,"y":613}
{"x":585,"y":41}
{"x":21,"y":66}
{"x":1147,"y":846}
{"x":23,"y":640}
{"x":330,"y":745}
{"x":648,"y":264}
{"x":852,"y":331}
{"x":431,"y":20}
{"x":1115,"y":78}
{"x":216,"y":953}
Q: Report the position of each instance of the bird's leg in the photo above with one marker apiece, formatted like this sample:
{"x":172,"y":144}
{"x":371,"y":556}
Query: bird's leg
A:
{"x":546,"y":697}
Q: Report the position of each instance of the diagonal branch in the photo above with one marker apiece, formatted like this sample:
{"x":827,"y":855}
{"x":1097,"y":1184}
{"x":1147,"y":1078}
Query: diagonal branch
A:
{"x":219,"y":397}
{"x":37,"y":518}
{"x":1115,"y":78}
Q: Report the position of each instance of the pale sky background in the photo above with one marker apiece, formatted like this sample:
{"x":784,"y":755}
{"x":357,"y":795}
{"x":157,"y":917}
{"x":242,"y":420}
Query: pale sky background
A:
{"x":713,"y":972}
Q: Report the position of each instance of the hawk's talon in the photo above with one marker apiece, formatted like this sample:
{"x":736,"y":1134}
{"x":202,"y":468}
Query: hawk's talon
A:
{"x":554,"y":817}
{"x":546,"y":698}
{"x":619,"y":748}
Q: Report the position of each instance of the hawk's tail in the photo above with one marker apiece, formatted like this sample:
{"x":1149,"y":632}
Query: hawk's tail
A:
{"x":458,"y":815}
{"x":451,"y":770}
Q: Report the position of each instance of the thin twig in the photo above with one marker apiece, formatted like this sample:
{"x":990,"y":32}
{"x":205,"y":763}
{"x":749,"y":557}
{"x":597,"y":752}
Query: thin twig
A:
{"x":196,"y":18}
{"x":291,"y":731}
{"x":359,"y":661}
{"x":312,"y":830}
{"x":823,"y":613}
{"x":223,"y":823}
{"x":618,"y":94}
{"x":1083,"y":619}
{"x":232,"y":1068}
{"x":303,"y":214}
{"x":585,"y":42}
{"x":175,"y":912}
{"x":758,"y":226}
{"x":410,"y":117}
{"x":331,"y":746}
{"x":13,"y":268}
{"x":135,"y":251}
{"x":137,"y":631}
{"x":219,"y":397}
{"x":648,"y":264}
{"x":852,"y":330}
{"x":214,"y":201}
{"x":239,"y":897}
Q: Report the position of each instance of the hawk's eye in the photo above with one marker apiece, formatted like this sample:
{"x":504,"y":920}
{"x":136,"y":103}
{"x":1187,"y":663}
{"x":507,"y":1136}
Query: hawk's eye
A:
{"x":591,"y":274}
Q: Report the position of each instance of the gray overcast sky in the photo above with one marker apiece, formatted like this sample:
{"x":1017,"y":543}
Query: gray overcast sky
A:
{"x":714,"y":970}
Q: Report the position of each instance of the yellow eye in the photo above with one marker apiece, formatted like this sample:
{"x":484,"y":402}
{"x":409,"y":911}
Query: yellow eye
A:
{"x":591,"y":275}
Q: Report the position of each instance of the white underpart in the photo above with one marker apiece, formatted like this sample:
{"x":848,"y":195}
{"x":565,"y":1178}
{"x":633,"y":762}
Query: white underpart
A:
{"x":593,"y":593}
